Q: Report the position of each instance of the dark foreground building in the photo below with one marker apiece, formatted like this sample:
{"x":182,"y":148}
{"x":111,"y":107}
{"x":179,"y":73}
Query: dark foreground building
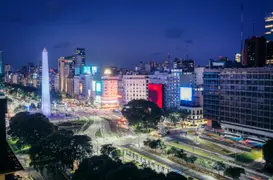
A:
{"x":8,"y":161}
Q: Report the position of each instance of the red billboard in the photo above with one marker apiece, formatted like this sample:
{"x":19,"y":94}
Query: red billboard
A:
{"x":155,"y":94}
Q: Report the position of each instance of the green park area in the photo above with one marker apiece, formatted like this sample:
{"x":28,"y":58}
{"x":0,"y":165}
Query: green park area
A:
{"x":248,"y":157}
{"x":195,"y":151}
{"x":15,"y":149}
{"x":214,"y":147}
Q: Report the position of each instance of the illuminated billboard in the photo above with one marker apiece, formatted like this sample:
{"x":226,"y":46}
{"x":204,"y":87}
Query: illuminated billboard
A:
{"x":86,"y":69}
{"x":98,"y":87}
{"x":186,"y":93}
{"x":94,"y":69}
{"x":155,"y":94}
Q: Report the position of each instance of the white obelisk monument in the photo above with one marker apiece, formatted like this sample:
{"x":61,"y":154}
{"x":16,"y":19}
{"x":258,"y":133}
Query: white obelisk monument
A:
{"x":45,"y":85}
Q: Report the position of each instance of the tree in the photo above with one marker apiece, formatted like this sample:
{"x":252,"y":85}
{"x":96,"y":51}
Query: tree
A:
{"x":109,"y":150}
{"x":234,"y":172}
{"x":96,"y":167}
{"x":219,"y":166}
{"x":171,"y":150}
{"x":30,"y":128}
{"x":190,"y":159}
{"x":174,"y":176}
{"x":142,"y":114}
{"x":180,"y":154}
{"x":154,"y":144}
{"x":103,"y":167}
{"x":59,"y":151}
{"x":267,"y":153}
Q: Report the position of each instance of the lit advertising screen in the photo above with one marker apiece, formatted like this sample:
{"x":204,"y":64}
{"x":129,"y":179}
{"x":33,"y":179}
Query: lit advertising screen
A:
{"x":185,"y":93}
{"x":155,"y":94}
{"x":86,"y":70}
{"x":98,"y":87}
{"x":94,"y":69}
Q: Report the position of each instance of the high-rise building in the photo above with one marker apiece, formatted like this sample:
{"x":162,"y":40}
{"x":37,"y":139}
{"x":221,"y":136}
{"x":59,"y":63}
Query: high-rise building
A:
{"x":246,"y":101}
{"x":135,"y":87}
{"x":80,"y":56}
{"x":254,"y":52}
{"x":1,"y":63}
{"x":7,"y":68}
{"x":172,"y":99}
{"x":269,"y":27}
{"x":211,"y":94}
{"x":241,"y":99}
{"x":188,"y":66}
{"x":70,"y":85}
{"x":8,"y":161}
{"x":109,"y":98}
{"x":269,"y":53}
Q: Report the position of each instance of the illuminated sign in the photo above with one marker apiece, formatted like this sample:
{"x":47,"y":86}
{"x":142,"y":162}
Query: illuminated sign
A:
{"x":107,"y":71}
{"x":185,"y":93}
{"x":98,"y":87}
{"x":94,"y":69}
{"x":86,"y":70}
{"x":98,"y":99}
{"x":155,"y":94}
{"x":94,"y":85}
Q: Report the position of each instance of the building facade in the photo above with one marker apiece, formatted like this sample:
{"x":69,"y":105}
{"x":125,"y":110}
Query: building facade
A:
{"x":1,"y":63}
{"x":269,"y":27}
{"x":109,"y":97}
{"x":254,"y":52}
{"x":211,"y":94}
{"x":246,"y":101}
{"x":135,"y":87}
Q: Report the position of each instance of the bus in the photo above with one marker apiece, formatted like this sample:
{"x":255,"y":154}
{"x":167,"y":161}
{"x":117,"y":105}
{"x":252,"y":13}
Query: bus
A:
{"x":255,"y":141}
{"x":232,"y":136}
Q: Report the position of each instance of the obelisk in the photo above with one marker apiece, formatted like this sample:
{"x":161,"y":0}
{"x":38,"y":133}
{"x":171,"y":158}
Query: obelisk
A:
{"x":45,"y":85}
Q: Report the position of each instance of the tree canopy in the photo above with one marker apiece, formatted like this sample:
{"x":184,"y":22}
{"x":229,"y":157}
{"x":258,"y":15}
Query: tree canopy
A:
{"x":104,"y":168}
{"x":142,"y":114}
{"x":30,"y":128}
{"x":111,"y":151}
{"x":267,"y":153}
{"x":234,"y":172}
{"x":59,"y":151}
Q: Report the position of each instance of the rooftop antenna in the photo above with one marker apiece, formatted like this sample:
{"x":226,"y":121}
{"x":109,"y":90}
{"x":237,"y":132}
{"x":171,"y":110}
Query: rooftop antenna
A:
{"x":242,"y":28}
{"x":253,"y":28}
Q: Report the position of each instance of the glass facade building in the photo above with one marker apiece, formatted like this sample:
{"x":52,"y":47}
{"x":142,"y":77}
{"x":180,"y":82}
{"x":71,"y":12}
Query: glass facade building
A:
{"x":269,"y":27}
{"x":211,"y":94}
{"x":241,"y":99}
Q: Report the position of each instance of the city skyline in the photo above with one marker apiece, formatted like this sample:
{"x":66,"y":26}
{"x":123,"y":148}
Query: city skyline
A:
{"x":125,"y":34}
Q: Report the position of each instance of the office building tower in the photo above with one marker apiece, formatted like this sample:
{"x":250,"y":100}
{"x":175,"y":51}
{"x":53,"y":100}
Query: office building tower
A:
{"x":246,"y":101}
{"x":109,"y":97}
{"x":70,"y":85}
{"x":254,"y":52}
{"x":57,"y":82}
{"x":80,"y":52}
{"x":135,"y":87}
{"x":8,"y":161}
{"x":187,"y":66}
{"x":1,"y":64}
{"x":211,"y":94}
{"x":172,"y":100}
{"x":76,"y":86}
{"x":7,"y":68}
{"x":269,"y":27}
{"x":46,"y":108}
{"x":238,"y":57}
{"x":177,"y":63}
{"x":269,"y":53}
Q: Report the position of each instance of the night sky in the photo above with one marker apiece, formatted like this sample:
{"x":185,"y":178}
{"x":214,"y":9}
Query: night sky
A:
{"x":125,"y":32}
